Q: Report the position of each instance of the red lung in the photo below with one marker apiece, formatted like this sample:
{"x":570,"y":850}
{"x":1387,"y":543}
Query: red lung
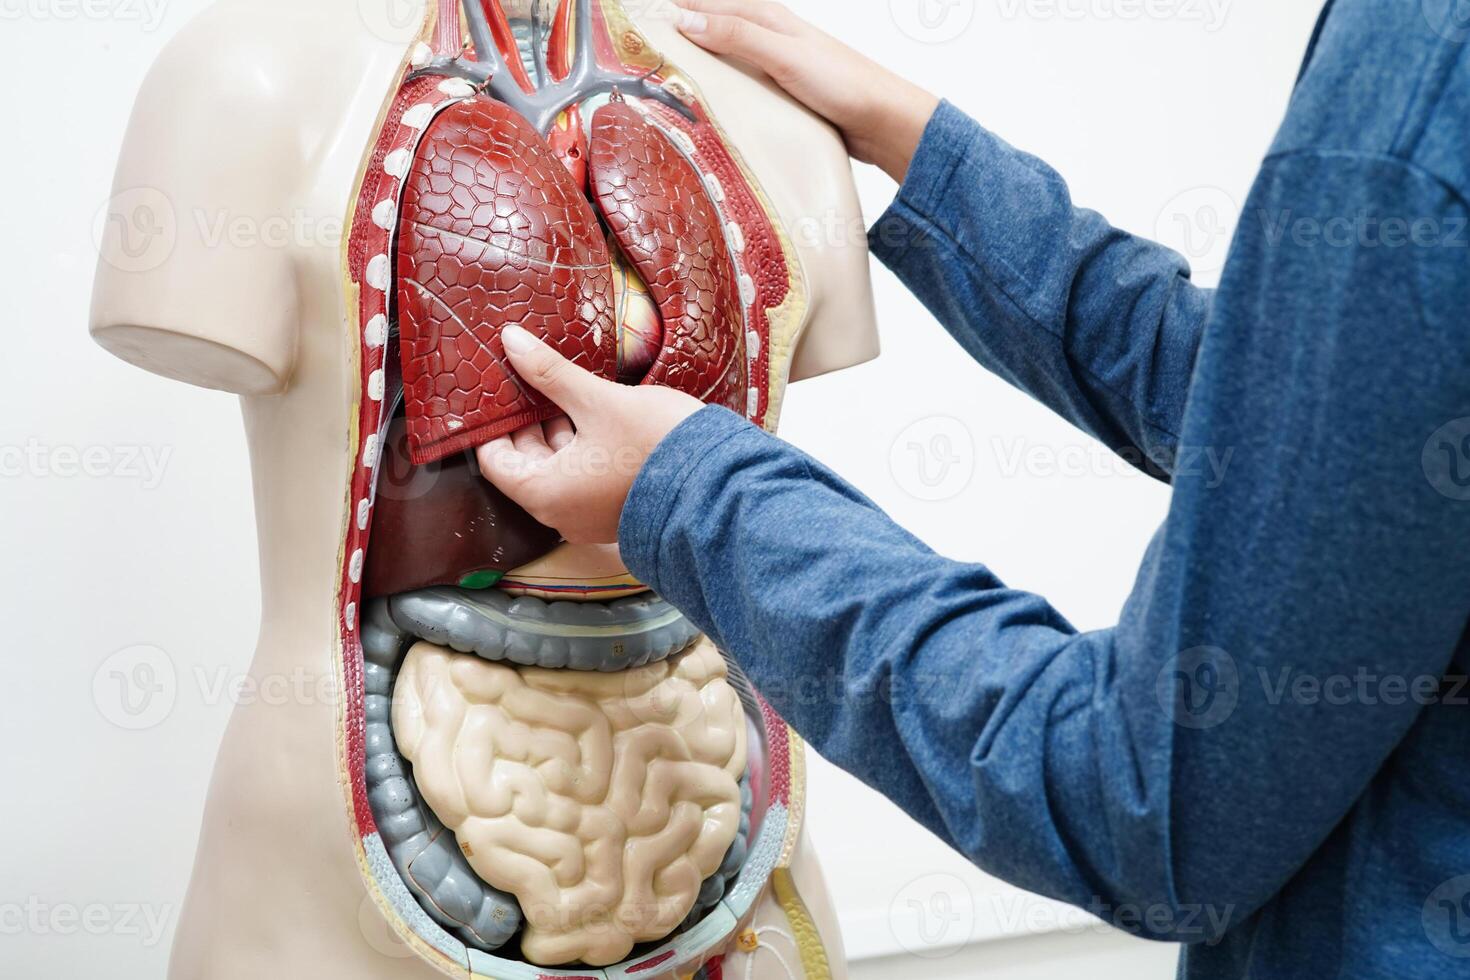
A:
{"x":493,"y":230}
{"x":662,"y":217}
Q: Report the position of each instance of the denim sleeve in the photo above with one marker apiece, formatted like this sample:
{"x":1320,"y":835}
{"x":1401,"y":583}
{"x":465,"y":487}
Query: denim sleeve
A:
{"x":1176,"y":757}
{"x":1097,"y":324}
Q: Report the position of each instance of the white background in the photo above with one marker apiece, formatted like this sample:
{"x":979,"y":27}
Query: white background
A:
{"x":1157,"y":111}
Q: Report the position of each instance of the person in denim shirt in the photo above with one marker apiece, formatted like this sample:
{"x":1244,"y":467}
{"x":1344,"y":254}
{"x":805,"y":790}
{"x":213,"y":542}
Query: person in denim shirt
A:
{"x":1172,"y":762}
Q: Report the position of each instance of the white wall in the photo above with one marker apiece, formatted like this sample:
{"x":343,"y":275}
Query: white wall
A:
{"x":1156,"y":119}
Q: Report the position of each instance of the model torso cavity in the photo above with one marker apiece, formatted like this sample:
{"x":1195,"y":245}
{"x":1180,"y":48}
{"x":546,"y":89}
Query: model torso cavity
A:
{"x":547,"y":169}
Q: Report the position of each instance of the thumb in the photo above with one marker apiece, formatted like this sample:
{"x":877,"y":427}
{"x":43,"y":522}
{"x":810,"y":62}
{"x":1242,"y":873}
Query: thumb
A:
{"x":573,"y":389}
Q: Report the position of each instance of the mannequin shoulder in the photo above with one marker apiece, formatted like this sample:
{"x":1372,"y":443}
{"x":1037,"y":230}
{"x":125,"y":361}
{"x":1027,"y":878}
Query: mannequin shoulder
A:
{"x":259,"y":57}
{"x":248,"y":128}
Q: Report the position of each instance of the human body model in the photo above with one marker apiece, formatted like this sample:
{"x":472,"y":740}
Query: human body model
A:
{"x":264,"y":110}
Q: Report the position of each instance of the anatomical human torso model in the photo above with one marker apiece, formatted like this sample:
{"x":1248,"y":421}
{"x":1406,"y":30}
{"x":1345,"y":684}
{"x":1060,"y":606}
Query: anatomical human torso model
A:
{"x":534,"y":766}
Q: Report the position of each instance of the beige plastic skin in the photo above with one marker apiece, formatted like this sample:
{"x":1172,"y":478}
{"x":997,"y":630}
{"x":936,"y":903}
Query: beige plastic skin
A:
{"x":257,"y":115}
{"x":600,"y":801}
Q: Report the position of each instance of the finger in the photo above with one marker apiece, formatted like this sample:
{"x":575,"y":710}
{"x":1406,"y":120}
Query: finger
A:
{"x":528,"y":482}
{"x":738,"y":37}
{"x":575,"y":390}
{"x":773,"y":16}
{"x":502,"y":465}
{"x":559,"y":433}
{"x":530,"y":441}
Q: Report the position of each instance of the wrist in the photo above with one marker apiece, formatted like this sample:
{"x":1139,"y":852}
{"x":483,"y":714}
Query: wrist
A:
{"x":897,"y":127}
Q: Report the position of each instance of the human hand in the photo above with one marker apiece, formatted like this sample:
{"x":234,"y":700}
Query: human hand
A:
{"x":880,"y":115}
{"x":573,"y":472}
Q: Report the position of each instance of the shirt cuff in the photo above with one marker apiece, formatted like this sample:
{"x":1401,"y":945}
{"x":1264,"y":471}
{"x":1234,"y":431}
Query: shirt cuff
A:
{"x":656,"y":488}
{"x":949,"y":138}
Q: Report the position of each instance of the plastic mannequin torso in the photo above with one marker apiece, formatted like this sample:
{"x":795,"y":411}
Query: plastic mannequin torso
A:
{"x":247,"y":148}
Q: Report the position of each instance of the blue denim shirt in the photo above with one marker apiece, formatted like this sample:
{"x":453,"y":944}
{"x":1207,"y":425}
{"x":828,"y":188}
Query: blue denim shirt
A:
{"x":1268,"y":757}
